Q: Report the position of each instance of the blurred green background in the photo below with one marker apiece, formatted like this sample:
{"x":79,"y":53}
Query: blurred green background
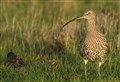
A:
{"x":28,"y":28}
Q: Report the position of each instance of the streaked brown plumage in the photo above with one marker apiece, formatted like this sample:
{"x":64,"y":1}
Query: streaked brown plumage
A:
{"x":94,"y":45}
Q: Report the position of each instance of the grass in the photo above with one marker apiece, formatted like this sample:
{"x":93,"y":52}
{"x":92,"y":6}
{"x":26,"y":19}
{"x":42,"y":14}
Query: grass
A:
{"x":28,"y":27}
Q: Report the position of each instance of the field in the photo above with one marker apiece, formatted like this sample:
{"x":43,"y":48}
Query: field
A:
{"x":29,"y":27}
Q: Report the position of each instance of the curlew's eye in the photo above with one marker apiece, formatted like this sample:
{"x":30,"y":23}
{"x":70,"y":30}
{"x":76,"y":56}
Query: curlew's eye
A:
{"x":89,"y":13}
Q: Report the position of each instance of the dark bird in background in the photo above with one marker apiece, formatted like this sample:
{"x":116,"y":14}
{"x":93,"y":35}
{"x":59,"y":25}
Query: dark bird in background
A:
{"x":14,"y":60}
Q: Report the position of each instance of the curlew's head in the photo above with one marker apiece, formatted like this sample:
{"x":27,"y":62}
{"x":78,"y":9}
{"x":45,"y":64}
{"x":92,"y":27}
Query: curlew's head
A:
{"x":88,"y":15}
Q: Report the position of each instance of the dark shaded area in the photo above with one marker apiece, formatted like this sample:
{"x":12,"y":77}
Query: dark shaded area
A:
{"x":14,"y":60}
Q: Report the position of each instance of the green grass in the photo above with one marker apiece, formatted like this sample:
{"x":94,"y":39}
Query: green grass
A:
{"x":28,"y":27}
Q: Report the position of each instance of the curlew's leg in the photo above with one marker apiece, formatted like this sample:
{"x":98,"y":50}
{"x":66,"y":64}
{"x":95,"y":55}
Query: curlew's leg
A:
{"x":85,"y":69}
{"x":98,"y":68}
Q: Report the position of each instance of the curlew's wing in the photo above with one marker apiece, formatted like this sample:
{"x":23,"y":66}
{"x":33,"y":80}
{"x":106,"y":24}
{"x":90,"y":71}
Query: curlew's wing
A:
{"x":82,"y":47}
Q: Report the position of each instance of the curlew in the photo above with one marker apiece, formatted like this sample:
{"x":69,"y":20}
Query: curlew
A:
{"x":94,"y":45}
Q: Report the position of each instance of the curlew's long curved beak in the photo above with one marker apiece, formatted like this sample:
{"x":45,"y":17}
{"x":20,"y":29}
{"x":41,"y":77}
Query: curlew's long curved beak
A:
{"x":80,"y":17}
{"x":76,"y":18}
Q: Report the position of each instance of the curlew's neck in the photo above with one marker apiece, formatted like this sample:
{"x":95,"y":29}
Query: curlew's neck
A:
{"x":92,"y":26}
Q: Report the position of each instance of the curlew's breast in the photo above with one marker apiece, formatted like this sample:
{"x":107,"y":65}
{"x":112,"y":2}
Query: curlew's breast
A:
{"x":94,"y":48}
